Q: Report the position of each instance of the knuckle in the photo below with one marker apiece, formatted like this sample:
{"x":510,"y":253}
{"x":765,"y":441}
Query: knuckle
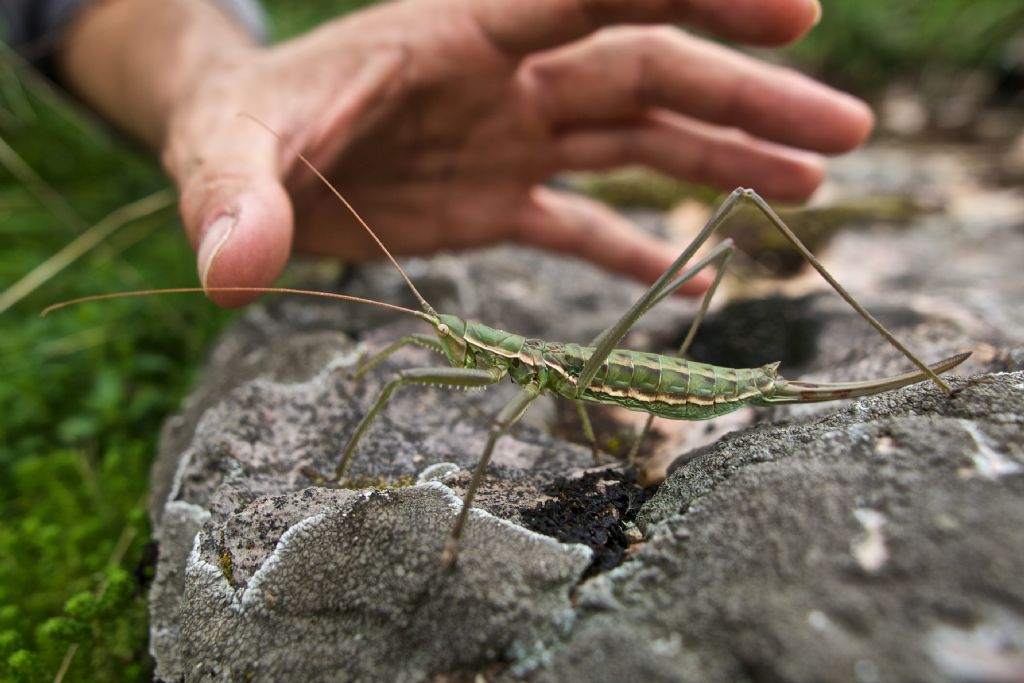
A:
{"x":653,"y":39}
{"x":203,"y":191}
{"x":662,"y":38}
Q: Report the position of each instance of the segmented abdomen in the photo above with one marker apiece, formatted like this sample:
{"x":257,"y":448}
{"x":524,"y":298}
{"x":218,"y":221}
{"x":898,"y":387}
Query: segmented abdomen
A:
{"x":663,"y":385}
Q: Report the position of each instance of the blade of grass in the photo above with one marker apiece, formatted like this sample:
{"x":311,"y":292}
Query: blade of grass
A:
{"x":73,"y":111}
{"x":15,"y":97}
{"x":82,"y":244}
{"x":42,"y":191}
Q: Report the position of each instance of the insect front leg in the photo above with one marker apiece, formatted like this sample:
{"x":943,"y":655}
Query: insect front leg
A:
{"x":424,"y":340}
{"x":453,"y":377}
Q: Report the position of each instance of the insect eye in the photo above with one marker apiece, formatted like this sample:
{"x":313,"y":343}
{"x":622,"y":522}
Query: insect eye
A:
{"x":443,"y":329}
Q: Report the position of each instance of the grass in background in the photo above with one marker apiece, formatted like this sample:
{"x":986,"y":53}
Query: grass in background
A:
{"x":83,"y":393}
{"x":864,"y":44}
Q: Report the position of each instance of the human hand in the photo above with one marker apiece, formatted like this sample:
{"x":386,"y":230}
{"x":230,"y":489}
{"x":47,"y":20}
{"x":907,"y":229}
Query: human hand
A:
{"x":440,"y":119}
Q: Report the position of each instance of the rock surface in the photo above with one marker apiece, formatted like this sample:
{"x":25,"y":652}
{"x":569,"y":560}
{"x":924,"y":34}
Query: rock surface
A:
{"x":873,"y":541}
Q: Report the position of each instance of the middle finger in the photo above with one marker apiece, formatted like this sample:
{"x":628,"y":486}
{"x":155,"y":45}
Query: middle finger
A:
{"x":623,"y":72}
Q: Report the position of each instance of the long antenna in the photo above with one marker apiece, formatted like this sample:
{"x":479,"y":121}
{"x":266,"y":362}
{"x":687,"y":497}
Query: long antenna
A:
{"x":423,"y":302}
{"x":261,"y":290}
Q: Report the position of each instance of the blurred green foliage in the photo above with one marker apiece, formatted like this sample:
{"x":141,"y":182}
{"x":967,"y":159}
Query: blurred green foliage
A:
{"x":289,"y":19}
{"x":863,"y":44}
{"x":84,"y":392}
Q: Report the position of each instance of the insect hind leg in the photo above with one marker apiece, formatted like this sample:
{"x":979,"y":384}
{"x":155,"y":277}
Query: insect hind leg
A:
{"x":588,"y":432}
{"x":719,"y":257}
{"x":750,"y":196}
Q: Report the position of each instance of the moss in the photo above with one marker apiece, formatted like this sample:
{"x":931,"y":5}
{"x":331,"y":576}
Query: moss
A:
{"x":636,"y":187}
{"x":60,"y":632}
{"x":24,"y":665}
{"x":227,"y":567}
{"x":118,"y":593}
{"x":10,"y":641}
{"x":81,"y":606}
{"x":82,"y":399}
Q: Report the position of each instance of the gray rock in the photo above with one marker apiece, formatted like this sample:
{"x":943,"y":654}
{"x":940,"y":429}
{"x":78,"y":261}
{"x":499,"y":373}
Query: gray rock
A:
{"x":247,"y":548}
{"x":875,"y":541}
{"x":864,"y":546}
{"x":355,"y":592}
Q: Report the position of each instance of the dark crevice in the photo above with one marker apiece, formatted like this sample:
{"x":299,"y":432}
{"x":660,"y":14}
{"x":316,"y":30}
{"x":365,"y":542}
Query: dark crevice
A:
{"x":595,"y":510}
{"x":753,"y":332}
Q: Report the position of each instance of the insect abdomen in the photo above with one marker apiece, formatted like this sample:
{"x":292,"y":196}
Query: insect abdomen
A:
{"x":671,"y":387}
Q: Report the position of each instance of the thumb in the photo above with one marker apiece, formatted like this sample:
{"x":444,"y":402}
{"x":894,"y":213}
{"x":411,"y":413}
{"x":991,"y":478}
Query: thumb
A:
{"x":236,"y":212}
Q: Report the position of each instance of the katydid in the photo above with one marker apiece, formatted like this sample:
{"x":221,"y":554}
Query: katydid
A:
{"x":666,"y":386}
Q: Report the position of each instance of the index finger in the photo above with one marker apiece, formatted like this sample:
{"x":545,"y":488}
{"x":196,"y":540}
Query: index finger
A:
{"x":526,"y":27}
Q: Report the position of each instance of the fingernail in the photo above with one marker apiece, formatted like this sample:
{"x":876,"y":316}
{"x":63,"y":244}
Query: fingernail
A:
{"x":214,"y":238}
{"x":817,"y":12}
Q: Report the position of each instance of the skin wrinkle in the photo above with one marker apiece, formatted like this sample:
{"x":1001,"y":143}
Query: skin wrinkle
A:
{"x":416,"y":126}
{"x":405,"y":137}
{"x":588,"y":16}
{"x":733,"y":110}
{"x":451,"y":167}
{"x":672,"y":142}
{"x":548,"y":78}
{"x":590,"y":13}
{"x":700,"y":162}
{"x":746,"y":91}
{"x":195,"y":196}
{"x":544,"y":71}
{"x":644,"y":92}
{"x":535,"y":77}
{"x":666,"y":39}
{"x":494,"y":41}
{"x":349,"y":120}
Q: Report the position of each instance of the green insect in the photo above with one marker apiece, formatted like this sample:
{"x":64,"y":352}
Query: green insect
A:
{"x":666,"y":386}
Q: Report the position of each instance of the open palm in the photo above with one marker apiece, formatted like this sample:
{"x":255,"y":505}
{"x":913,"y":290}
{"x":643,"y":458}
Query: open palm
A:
{"x":440,"y":119}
